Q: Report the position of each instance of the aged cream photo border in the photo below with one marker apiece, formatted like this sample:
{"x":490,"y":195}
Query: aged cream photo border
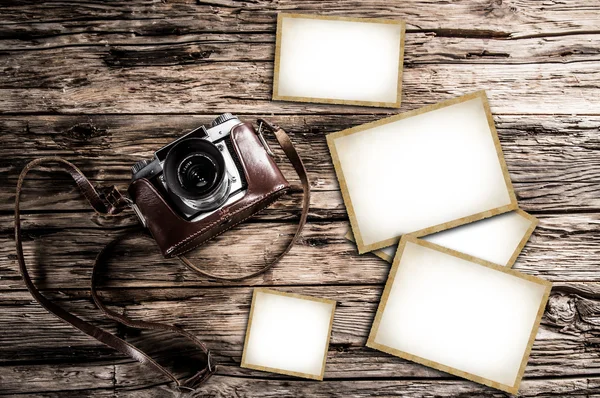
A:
{"x":534,"y":222}
{"x":243,"y":363}
{"x":277,"y":97}
{"x":386,"y":292}
{"x":362,"y":248}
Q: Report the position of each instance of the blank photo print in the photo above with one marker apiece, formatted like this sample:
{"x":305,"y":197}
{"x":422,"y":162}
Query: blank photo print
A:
{"x":459,"y":314}
{"x":336,"y":60}
{"x":497,"y":239}
{"x":421,"y":172}
{"x":288,"y":334}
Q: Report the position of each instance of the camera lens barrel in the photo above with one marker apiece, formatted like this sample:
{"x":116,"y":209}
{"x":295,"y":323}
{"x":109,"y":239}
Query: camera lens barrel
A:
{"x":198,"y":173}
{"x":195,"y":171}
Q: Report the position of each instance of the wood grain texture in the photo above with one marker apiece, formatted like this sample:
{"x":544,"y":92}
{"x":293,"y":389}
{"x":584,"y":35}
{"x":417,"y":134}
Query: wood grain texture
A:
{"x":228,"y":386}
{"x":131,"y":49}
{"x":104,"y":84}
{"x":512,"y":18}
{"x":539,"y":148}
{"x":82,"y":80}
{"x":568,"y":333}
{"x":562,"y":248}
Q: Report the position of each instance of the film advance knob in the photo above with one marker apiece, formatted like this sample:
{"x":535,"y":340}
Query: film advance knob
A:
{"x":222,"y":119}
{"x":140,"y":165}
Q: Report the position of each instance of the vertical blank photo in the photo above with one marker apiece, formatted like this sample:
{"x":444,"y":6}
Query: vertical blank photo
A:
{"x":288,"y":334}
{"x":336,"y":60}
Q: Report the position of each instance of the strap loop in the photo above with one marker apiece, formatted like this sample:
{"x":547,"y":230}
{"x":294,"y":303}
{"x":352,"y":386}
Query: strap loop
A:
{"x":116,"y":201}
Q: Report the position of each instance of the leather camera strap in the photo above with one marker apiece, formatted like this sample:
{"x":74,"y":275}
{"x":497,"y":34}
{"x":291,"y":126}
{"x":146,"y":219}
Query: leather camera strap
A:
{"x":288,"y":148}
{"x":113,"y":202}
{"x":110,"y":203}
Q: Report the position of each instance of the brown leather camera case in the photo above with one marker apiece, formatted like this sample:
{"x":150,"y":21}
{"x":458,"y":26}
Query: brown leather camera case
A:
{"x":176,"y":236}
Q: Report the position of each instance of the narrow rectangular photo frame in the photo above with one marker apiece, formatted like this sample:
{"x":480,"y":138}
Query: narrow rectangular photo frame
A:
{"x":482,"y":234}
{"x":311,"y":66}
{"x":522,"y":286}
{"x":370,"y":170}
{"x":249,"y":359}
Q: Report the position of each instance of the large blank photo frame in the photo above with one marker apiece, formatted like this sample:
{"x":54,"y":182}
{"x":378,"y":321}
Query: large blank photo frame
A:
{"x":337,"y":60}
{"x":288,"y":334}
{"x":459,"y":314}
{"x":422,"y":172}
{"x":497,"y":239}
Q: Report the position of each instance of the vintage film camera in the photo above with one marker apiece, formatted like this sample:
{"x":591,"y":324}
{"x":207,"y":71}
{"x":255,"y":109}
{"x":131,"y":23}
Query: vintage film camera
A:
{"x":209,"y":180}
{"x":199,"y":172}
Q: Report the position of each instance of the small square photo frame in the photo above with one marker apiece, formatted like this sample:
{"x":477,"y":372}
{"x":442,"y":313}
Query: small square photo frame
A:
{"x":288,"y":333}
{"x":316,"y":60}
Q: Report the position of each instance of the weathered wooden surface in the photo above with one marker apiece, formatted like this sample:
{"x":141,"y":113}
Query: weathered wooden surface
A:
{"x":564,"y":248}
{"x":103,"y":84}
{"x":36,"y":80}
{"x":569,"y":326}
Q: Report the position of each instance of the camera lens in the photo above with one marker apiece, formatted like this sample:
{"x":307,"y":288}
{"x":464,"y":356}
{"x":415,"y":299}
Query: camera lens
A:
{"x":198,"y":173}
{"x":195,"y":171}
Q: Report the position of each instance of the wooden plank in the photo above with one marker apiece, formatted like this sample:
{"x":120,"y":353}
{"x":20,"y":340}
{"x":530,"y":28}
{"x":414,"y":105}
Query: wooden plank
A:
{"x":135,"y":383}
{"x":325,"y":205}
{"x":87,"y":80}
{"x":91,"y":392}
{"x":537,"y":148}
{"x":562,"y":248}
{"x":488,"y":19}
{"x":566,"y":344}
{"x":48,"y":379}
{"x":227,"y":387}
{"x":127,"y":50}
{"x":552,"y":160}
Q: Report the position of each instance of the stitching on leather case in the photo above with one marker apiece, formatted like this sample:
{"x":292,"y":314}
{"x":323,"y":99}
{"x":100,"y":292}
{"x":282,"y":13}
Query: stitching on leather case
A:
{"x":181,"y":245}
{"x":271,"y":200}
{"x":191,"y":237}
